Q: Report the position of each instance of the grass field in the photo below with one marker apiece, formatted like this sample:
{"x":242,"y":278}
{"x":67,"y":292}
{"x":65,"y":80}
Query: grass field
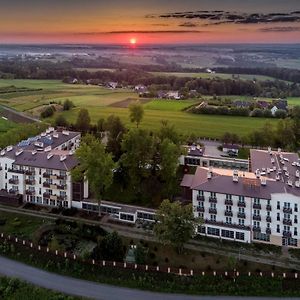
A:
{"x":98,"y":101}
{"x":5,"y":125}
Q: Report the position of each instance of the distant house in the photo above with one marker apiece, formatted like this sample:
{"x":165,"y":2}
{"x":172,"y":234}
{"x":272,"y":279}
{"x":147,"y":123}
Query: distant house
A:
{"x":75,"y":81}
{"x":140,"y":88}
{"x":112,"y":85}
{"x":231,"y":149}
{"x":242,"y":104}
{"x":281,"y":104}
{"x":274,"y":109}
{"x":173,"y":95}
{"x":263,"y":104}
{"x":161,"y":94}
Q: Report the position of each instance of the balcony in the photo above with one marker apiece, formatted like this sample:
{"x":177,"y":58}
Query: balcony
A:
{"x":287,"y":210}
{"x":287,"y":234}
{"x":268,"y":231}
{"x":256,"y":217}
{"x":268,"y":219}
{"x":46,"y":175}
{"x":268,"y":207}
{"x":18,"y":171}
{"x":256,"y":229}
{"x":49,"y":196}
{"x":54,"y":176}
{"x":30,"y":182}
{"x":61,"y":198}
{"x":200,"y":198}
{"x":287,"y":222}
{"x":30,"y":192}
{"x":29,"y":172}
{"x":241,"y":204}
{"x":213,"y":211}
{"x":200,"y":209}
{"x":61,"y":186}
{"x":13,"y":181}
{"x":46,"y":184}
{"x":256,"y":206}
{"x":228,"y":202}
{"x":212,"y":199}
{"x":223,"y":224}
{"x":241,"y":215}
{"x":228,"y":213}
{"x":13,"y":192}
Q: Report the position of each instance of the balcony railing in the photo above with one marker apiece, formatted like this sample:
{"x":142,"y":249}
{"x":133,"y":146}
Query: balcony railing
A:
{"x":228,"y":202}
{"x":200,"y":198}
{"x":256,"y":206}
{"x":228,"y":213}
{"x":61,"y":198}
{"x":287,"y":210}
{"x":256,"y":229}
{"x":287,"y":222}
{"x":200,"y":209}
{"x":54,"y":176}
{"x":241,"y":204}
{"x":223,"y":224}
{"x":14,"y":192}
{"x":213,"y":211}
{"x":268,"y":207}
{"x":46,"y":184}
{"x":268,"y":219}
{"x":30,"y":182}
{"x":30,"y":192}
{"x":241,"y":215}
{"x":213,"y":200}
{"x":13,"y":181}
{"x":61,"y":186}
{"x":15,"y":171}
{"x":256,"y":217}
{"x":29,"y":172}
{"x":54,"y":186}
{"x":287,"y":234}
{"x":268,"y":230}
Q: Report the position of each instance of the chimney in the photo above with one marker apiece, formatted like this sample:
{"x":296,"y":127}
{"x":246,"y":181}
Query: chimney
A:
{"x":257,"y":173}
{"x":209,"y":173}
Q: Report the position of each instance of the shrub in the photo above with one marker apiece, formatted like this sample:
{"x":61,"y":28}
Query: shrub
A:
{"x":48,"y":112}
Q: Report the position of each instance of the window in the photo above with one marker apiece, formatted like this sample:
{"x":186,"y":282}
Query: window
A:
{"x":213,"y":205}
{"x":228,"y":197}
{"x":242,"y":199}
{"x":227,"y":233}
{"x":126,"y":217}
{"x":213,"y":231}
{"x":228,"y":207}
{"x":256,"y":201}
{"x":287,"y":205}
{"x":292,"y":242}
{"x":278,"y":216}
{"x":241,"y":222}
{"x":296,"y":207}
{"x":201,"y":204}
{"x":287,"y":216}
{"x":268,"y":202}
{"x":241,"y":210}
{"x":278,"y":205}
{"x":268,"y":214}
{"x":228,"y":220}
{"x":295,"y":231}
{"x":200,"y":193}
{"x":295,"y":219}
{"x":256,"y":224}
{"x":201,"y":229}
{"x":261,"y":236}
{"x":201,"y":215}
{"x":240,"y":236}
{"x":286,"y":228}
{"x":213,"y":194}
{"x":278,"y":228}
{"x":256,"y":212}
{"x":213,"y":218}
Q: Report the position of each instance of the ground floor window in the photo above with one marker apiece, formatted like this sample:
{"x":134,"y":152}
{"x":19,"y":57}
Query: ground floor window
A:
{"x":227,"y":234}
{"x":261,"y":236}
{"x":240,"y":236}
{"x":213,"y":231}
{"x":126,"y":217}
{"x":289,"y":242}
{"x":201,"y":229}
{"x":145,"y":216}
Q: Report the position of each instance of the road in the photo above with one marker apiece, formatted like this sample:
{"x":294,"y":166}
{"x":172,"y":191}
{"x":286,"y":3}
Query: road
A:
{"x":88,"y":289}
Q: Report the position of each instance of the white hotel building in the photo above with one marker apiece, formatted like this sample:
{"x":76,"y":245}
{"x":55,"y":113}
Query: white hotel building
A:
{"x":261,"y":205}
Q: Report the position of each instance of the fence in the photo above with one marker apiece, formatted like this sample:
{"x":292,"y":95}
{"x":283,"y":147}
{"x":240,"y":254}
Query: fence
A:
{"x":145,"y":268}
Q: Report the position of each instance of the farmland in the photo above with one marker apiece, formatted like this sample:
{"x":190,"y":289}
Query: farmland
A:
{"x":102,"y":102}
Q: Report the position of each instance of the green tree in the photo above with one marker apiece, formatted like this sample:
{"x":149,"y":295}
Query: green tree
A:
{"x":280,"y":114}
{"x":140,"y":255}
{"x":168,"y":131}
{"x":60,"y":120}
{"x":95,"y":165}
{"x":136,"y":110}
{"x":83,"y":122}
{"x":68,"y":104}
{"x":176,"y":224}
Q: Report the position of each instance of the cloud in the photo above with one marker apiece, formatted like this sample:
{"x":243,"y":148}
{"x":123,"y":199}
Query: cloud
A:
{"x":217,"y":17}
{"x":187,"y":24}
{"x":279,"y":29}
{"x":139,"y":32}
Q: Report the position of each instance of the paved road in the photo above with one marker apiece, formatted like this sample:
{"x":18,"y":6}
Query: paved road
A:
{"x":89,"y":289}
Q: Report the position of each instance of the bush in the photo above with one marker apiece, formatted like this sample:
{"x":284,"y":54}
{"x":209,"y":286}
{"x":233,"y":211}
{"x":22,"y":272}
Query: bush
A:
{"x":280,"y":114}
{"x":48,"y":112}
{"x":68,"y":104}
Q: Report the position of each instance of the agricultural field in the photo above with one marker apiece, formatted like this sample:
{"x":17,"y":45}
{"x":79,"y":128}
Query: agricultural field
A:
{"x":102,"y":102}
{"x":5,"y":125}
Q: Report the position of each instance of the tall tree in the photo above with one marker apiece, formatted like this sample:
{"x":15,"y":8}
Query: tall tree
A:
{"x":83,"y":122}
{"x":176,"y":224}
{"x":95,"y":165}
{"x":136,"y":110}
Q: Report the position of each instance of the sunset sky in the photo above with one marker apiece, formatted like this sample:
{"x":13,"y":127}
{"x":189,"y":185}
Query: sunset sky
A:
{"x":151,"y":21}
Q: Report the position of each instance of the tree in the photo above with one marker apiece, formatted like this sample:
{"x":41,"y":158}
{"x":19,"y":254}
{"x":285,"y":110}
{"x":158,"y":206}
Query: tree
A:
{"x":95,"y":165}
{"x":140,"y":255}
{"x":176,"y":224}
{"x":61,"y":121}
{"x":136,"y":110}
{"x":83,"y":122}
{"x":68,"y":104}
{"x":168,"y":131}
{"x":48,"y":112}
{"x":280,"y":114}
{"x":110,"y":248}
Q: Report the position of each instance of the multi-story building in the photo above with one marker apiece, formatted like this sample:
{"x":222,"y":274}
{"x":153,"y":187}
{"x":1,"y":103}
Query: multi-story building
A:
{"x":39,"y":168}
{"x":262,"y":205}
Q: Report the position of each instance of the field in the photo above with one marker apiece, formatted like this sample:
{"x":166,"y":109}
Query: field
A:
{"x":5,"y":125}
{"x":102,"y":102}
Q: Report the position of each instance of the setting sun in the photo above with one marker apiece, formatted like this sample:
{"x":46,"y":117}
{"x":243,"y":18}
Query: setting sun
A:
{"x":133,"y":41}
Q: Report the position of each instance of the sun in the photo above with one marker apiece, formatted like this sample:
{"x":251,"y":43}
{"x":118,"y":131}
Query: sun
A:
{"x":133,"y":41}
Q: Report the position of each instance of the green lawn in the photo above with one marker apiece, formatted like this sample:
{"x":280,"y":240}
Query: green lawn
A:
{"x":169,"y":105}
{"x":5,"y":125}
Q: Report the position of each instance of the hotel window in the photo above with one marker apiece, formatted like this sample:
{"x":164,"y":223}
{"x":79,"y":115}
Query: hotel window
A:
{"x":5,"y":175}
{"x":242,"y":199}
{"x":240,"y":236}
{"x":295,"y":231}
{"x":213,"y":205}
{"x":295,"y":219}
{"x":278,"y":216}
{"x":256,"y":201}
{"x":278,"y":205}
{"x":256,"y":224}
{"x":5,"y":167}
{"x":268,"y":202}
{"x":228,"y":208}
{"x":268,"y":214}
{"x":200,"y":193}
{"x":228,"y":197}
{"x":296,"y":207}
{"x":201,"y":215}
{"x":241,"y":222}
{"x":287,"y":205}
{"x":286,"y":228}
{"x":268,"y":225}
{"x":213,"y":218}
{"x":213,"y":194}
{"x":227,"y":234}
{"x":241,"y":210}
{"x":228,"y":220}
{"x":256,"y":212}
{"x":201,"y":204}
{"x":213,"y":231}
{"x":287,"y":216}
{"x":278,"y":228}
